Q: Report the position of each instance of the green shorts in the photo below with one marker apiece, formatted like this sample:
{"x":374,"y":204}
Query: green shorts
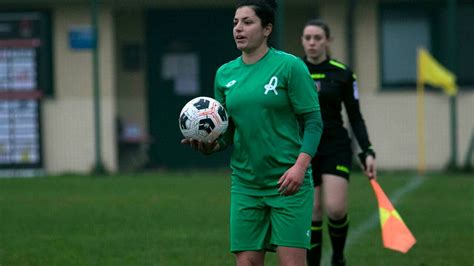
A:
{"x":266,"y":222}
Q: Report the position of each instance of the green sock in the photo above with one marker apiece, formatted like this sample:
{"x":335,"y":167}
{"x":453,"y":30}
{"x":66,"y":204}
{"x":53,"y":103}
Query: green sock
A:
{"x":313,"y":256}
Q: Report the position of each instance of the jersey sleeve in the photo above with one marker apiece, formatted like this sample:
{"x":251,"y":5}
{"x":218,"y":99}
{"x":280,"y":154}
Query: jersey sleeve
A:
{"x":351,"y":103}
{"x":227,"y":138}
{"x":219,"y":93}
{"x":301,"y":89}
{"x":312,"y":130}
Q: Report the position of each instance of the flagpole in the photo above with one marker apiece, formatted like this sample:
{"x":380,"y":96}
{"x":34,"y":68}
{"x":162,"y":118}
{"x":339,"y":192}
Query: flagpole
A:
{"x":451,"y":43}
{"x":420,"y":104}
{"x":421,"y":128}
{"x":99,"y":167}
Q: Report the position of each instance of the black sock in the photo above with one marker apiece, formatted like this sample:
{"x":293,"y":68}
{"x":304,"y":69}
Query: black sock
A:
{"x":313,"y":256}
{"x":338,"y":234}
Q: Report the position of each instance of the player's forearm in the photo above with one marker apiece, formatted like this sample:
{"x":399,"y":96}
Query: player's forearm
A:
{"x":361,"y":134}
{"x":313,"y":128}
{"x":303,"y":160}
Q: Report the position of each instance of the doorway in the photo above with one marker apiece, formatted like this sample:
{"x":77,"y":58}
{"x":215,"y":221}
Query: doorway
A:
{"x":184,"y":50}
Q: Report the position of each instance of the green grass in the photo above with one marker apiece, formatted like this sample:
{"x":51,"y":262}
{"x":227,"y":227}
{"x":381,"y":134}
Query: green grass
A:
{"x":181,"y":218}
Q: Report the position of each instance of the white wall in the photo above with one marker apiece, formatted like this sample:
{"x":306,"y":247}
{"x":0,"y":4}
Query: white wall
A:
{"x":68,"y":125}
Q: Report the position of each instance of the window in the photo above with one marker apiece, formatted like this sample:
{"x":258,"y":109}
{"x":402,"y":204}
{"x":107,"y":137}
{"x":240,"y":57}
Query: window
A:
{"x":465,"y":35}
{"x":404,"y":28}
{"x":25,"y":76}
{"x":26,"y":37}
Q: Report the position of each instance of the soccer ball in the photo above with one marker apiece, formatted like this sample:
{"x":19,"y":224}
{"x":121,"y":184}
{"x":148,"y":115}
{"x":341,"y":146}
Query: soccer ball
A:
{"x":203,"y":119}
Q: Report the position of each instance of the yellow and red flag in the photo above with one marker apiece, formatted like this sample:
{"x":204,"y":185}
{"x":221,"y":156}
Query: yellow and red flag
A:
{"x":395,"y":234}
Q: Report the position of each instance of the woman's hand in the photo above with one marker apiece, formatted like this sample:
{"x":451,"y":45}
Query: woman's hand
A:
{"x":203,"y":147}
{"x":370,"y":167}
{"x":290,"y":182}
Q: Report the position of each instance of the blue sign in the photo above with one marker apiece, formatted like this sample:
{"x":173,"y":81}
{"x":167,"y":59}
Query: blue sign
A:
{"x":82,"y":37}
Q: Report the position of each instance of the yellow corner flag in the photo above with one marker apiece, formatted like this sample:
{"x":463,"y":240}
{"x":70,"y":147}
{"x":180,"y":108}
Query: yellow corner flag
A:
{"x":433,"y":73}
{"x":395,"y":234}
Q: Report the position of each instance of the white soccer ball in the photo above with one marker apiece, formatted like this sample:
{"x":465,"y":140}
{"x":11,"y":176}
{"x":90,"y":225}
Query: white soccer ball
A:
{"x":203,"y":119}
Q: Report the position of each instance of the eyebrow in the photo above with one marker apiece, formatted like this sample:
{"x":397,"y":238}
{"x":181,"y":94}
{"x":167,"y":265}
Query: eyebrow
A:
{"x":242,"y":18}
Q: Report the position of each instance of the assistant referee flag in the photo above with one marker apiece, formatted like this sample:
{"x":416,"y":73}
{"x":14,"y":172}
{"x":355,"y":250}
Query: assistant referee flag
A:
{"x":395,"y":234}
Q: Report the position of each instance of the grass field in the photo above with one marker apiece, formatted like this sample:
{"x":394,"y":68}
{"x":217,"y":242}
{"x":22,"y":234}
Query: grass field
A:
{"x":171,"y":218}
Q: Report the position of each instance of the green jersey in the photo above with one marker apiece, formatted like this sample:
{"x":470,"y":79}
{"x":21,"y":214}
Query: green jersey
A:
{"x":263,"y":101}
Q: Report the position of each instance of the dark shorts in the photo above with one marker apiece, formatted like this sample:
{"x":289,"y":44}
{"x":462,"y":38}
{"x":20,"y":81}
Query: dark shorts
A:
{"x":339,"y":164}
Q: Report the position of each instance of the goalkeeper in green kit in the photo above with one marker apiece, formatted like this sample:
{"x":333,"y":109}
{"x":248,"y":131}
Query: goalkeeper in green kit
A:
{"x":275,"y":127}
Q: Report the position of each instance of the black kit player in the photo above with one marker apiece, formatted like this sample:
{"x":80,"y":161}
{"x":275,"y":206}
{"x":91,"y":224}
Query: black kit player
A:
{"x":336,"y":85}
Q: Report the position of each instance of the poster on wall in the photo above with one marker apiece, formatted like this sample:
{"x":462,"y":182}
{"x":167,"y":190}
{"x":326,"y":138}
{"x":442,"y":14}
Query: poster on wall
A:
{"x":183,"y":70}
{"x":22,"y":40}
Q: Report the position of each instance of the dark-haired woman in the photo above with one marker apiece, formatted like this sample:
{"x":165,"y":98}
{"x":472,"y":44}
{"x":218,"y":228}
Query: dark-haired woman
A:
{"x":270,"y":97}
{"x":336,"y":86}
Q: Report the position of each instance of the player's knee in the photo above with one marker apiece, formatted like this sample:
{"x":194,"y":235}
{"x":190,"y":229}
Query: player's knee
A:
{"x":317,"y":211}
{"x":248,"y":258}
{"x":337,"y":213}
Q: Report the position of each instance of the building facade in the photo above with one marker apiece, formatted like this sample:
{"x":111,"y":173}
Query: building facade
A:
{"x":153,"y":56}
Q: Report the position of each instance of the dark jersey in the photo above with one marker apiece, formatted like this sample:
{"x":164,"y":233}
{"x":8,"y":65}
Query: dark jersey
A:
{"x":337,"y":85}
